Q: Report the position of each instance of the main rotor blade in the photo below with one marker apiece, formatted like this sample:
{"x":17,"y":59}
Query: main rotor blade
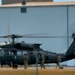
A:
{"x":45,"y":36}
{"x":33,"y":36}
{"x":36,"y":34}
{"x":19,"y":36}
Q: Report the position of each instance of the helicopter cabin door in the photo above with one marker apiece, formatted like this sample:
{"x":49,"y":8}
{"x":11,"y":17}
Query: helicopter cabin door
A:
{"x":2,"y":55}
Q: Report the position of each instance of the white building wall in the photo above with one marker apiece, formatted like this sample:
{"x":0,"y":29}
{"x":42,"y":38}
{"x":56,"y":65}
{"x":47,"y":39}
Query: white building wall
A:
{"x":71,"y":28}
{"x":51,"y":20}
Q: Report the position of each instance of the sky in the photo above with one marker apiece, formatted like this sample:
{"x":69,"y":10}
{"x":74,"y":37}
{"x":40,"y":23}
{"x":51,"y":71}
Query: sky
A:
{"x":63,"y":0}
{"x":54,"y":0}
{"x":0,"y":1}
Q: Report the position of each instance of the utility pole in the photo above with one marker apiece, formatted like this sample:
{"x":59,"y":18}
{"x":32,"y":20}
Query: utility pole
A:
{"x":36,"y":52}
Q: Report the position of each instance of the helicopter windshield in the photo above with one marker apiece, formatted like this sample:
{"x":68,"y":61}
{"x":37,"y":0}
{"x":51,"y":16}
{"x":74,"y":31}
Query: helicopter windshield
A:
{"x":4,"y":43}
{"x":1,"y":51}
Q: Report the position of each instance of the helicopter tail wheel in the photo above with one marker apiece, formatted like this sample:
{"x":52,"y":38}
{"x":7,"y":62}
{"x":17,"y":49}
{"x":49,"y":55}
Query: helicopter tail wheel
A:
{"x":16,"y":66}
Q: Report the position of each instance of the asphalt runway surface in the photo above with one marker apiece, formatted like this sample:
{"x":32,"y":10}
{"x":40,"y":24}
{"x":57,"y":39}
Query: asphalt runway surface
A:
{"x":34,"y":68}
{"x":33,"y":71}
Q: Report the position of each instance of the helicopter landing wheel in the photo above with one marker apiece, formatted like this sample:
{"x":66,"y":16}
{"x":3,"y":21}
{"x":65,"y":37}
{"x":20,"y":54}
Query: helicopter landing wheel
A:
{"x":15,"y":66}
{"x":1,"y":64}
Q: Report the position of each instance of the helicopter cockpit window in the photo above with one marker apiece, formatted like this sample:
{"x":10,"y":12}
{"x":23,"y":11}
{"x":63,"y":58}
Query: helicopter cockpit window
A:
{"x":24,"y":52}
{"x":1,"y":52}
{"x":11,"y":53}
{"x":19,"y":53}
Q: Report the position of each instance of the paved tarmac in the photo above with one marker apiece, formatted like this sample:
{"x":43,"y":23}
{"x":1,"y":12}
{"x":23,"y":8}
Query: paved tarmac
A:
{"x":47,"y":68}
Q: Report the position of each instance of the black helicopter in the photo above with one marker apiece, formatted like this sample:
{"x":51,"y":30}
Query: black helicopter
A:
{"x":15,"y":51}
